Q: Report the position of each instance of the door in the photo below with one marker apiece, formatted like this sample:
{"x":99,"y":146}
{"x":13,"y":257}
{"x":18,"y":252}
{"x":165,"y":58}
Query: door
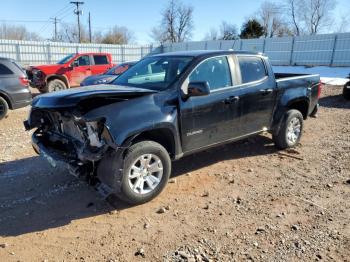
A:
{"x":101,"y":64}
{"x":80,"y":70}
{"x":257,"y":95}
{"x":207,"y":120}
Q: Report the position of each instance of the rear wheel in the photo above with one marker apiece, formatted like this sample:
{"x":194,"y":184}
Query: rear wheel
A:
{"x":146,"y":171}
{"x":346,"y":91}
{"x":290,"y":130}
{"x":4,"y":107}
{"x":55,"y":85}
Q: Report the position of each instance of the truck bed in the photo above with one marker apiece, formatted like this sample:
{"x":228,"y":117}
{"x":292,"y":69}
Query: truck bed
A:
{"x":281,"y":76}
{"x":302,"y":84}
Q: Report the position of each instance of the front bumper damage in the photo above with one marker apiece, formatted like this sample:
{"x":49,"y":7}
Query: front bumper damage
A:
{"x":84,"y":147}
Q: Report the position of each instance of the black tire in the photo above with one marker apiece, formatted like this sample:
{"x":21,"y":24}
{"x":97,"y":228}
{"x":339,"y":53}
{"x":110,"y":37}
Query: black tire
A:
{"x":4,"y":108}
{"x":282,"y":140}
{"x":346,"y":91}
{"x":55,"y":85}
{"x":137,"y":150}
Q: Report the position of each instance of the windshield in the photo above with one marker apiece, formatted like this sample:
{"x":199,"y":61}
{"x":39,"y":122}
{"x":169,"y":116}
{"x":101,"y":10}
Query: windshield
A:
{"x":66,"y":59}
{"x":155,"y":73}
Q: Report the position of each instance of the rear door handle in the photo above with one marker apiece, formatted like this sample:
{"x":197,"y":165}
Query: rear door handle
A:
{"x":266,"y":91}
{"x":231,"y":99}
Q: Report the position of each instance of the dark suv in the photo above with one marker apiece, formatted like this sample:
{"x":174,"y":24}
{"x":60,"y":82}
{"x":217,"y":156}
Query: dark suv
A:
{"x":14,"y":87}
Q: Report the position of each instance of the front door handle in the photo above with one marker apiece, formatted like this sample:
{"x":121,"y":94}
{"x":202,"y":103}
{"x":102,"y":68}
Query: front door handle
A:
{"x":266,"y":91}
{"x":231,"y":99}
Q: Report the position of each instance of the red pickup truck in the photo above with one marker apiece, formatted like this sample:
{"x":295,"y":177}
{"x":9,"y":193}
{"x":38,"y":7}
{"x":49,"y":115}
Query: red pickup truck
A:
{"x":69,"y":71}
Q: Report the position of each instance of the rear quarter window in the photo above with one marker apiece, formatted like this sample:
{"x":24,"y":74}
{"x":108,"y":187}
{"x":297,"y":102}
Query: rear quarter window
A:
{"x":4,"y":70}
{"x":252,"y":68}
{"x":101,"y":60}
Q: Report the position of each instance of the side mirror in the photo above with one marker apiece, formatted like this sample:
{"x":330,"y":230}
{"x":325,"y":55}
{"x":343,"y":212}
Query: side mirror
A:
{"x":198,"y":88}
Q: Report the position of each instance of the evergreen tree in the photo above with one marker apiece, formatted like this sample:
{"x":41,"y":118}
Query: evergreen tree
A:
{"x":252,"y":29}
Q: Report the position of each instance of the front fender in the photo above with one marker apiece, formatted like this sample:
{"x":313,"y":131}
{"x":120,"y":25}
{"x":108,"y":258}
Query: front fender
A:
{"x":130,"y":118}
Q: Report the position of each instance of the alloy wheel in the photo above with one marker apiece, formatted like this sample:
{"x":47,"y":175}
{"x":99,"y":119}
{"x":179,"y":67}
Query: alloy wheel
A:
{"x":145,"y":174}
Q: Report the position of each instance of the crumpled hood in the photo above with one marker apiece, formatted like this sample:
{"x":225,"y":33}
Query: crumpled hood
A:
{"x":71,"y":97}
{"x":49,"y":69}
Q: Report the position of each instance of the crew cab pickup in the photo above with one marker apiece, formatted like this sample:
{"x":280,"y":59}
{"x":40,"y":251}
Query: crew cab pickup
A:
{"x":167,"y":106}
{"x":69,"y":71}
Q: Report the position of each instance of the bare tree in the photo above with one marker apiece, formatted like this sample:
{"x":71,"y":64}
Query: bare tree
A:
{"x":293,"y":14}
{"x":212,"y":35}
{"x":317,"y":14}
{"x":344,"y":25}
{"x":15,"y":32}
{"x":118,"y":35}
{"x":69,"y":33}
{"x":310,"y":16}
{"x":228,"y":31}
{"x":270,"y":16}
{"x":176,"y":24}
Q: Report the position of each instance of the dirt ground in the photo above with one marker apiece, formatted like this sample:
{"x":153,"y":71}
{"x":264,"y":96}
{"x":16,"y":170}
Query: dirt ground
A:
{"x":242,"y":201}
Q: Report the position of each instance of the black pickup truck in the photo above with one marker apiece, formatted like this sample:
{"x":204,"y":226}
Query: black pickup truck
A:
{"x":124,"y":136}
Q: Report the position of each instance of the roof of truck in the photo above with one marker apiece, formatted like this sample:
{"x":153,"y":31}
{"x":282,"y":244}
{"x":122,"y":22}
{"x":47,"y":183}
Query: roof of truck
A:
{"x":93,"y":53}
{"x":197,"y":53}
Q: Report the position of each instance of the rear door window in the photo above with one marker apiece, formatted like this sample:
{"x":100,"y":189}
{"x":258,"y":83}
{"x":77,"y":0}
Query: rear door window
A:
{"x":252,"y":68}
{"x":101,"y":60}
{"x":4,"y":70}
{"x":215,"y":71}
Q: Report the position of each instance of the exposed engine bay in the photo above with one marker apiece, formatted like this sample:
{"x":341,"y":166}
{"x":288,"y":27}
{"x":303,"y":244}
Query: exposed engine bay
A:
{"x":69,"y":137}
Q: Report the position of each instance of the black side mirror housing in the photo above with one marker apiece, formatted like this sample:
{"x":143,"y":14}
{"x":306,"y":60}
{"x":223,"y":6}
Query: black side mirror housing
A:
{"x":198,"y":88}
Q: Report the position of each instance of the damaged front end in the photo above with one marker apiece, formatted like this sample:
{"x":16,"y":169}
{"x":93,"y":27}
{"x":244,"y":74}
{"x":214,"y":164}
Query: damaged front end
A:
{"x":73,"y":127}
{"x":64,"y":136}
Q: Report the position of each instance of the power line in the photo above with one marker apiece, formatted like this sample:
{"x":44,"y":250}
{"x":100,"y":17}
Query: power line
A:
{"x":78,"y":13}
{"x":62,"y":10}
{"x":23,"y":21}
{"x":65,"y":13}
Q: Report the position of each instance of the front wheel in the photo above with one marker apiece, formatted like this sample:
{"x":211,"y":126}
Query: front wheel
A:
{"x":55,"y":85}
{"x":290,"y":130}
{"x":346,"y":91}
{"x":147,"y":167}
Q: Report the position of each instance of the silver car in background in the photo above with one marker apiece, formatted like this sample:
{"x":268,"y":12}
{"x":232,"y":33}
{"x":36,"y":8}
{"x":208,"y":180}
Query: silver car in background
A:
{"x":14,"y":86}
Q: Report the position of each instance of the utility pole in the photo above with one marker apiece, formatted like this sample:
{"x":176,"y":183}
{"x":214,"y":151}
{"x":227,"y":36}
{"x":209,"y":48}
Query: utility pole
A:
{"x":55,"y":21}
{"x":78,"y":13}
{"x":90,"y":38}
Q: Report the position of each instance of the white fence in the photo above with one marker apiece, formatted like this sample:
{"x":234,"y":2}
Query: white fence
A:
{"x":31,"y":52}
{"x":327,"y":50}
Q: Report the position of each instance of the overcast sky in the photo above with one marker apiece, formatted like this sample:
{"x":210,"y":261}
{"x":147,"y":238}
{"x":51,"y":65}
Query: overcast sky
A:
{"x":139,"y":16}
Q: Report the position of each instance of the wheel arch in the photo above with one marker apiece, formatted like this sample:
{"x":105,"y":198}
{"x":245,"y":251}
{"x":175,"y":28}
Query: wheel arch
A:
{"x":163,"y":136}
{"x":7,"y":99}
{"x":301,"y":104}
